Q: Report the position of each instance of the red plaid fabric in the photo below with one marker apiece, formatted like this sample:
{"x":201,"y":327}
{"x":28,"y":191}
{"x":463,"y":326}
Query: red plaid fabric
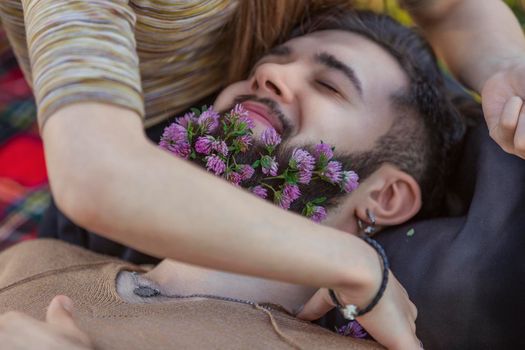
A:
{"x":24,"y":192}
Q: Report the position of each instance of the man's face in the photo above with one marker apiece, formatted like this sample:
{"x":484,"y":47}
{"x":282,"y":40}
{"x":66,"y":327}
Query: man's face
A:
{"x":333,"y":86}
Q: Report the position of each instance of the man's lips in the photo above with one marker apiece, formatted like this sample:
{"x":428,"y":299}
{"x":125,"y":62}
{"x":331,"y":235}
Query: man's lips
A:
{"x":262,"y":113}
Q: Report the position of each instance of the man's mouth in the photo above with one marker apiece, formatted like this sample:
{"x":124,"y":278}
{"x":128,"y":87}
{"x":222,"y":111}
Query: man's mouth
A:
{"x":262,"y":114}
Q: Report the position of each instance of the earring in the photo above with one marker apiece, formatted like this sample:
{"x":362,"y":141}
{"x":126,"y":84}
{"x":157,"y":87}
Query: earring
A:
{"x":367,"y":229}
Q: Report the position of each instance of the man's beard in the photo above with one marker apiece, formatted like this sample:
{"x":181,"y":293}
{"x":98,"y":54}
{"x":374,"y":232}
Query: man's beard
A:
{"x":316,"y":189}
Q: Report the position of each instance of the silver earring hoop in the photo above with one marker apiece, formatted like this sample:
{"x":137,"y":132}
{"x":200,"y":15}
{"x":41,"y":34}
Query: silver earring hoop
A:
{"x":367,"y":229}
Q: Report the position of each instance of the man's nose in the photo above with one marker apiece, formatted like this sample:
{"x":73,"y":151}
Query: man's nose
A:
{"x":272,"y":79}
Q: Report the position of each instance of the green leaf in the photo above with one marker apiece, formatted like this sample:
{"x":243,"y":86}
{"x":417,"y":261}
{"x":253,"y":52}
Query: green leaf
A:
{"x":266,"y":161}
{"x":291,"y":177}
{"x":411,"y":232}
{"x":256,"y":164}
{"x":319,"y":200}
{"x":308,"y":209}
{"x":196,"y":111}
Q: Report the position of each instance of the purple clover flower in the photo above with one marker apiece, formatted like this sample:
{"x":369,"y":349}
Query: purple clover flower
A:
{"x":333,"y":172}
{"x":305,"y":163}
{"x":220,"y":147}
{"x":260,"y":191}
{"x":353,"y":329}
{"x":204,"y":144}
{"x":244,"y":142}
{"x":186,"y":119}
{"x":323,"y":149}
{"x":175,"y":140}
{"x":270,"y":137}
{"x":234,"y":177}
{"x":242,"y":115}
{"x":209,"y":120}
{"x":350,"y":181}
{"x":288,"y":195}
{"x":239,"y":111}
{"x":215,"y":164}
{"x":319,"y":214}
{"x":271,"y":168}
{"x":249,"y":123}
{"x":247,"y":172}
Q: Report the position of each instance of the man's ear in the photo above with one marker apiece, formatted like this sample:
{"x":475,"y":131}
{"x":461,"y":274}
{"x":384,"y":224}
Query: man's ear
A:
{"x":391,"y":195}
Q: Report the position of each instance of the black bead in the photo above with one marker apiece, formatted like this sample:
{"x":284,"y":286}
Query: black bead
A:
{"x":146,"y":292}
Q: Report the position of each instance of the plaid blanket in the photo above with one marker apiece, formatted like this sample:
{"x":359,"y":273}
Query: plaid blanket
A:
{"x":24,"y":192}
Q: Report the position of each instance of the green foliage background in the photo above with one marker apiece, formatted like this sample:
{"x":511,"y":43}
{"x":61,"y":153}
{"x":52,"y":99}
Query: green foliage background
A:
{"x":392,"y":8}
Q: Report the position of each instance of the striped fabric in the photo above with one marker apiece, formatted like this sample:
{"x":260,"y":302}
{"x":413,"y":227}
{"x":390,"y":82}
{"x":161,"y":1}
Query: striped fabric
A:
{"x":179,"y":43}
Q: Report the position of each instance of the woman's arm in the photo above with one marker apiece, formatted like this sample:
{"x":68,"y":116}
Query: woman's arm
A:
{"x":475,"y":38}
{"x":483,"y":45}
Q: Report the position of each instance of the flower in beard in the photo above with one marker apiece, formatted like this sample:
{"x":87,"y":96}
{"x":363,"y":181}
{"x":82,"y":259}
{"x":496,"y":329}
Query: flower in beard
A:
{"x":353,"y":329}
{"x":247,"y":172}
{"x":260,"y":191}
{"x":208,"y":121}
{"x":215,"y":164}
{"x":270,"y":139}
{"x":333,"y":172}
{"x":204,"y":144}
{"x":220,"y":147}
{"x":288,"y":195}
{"x":269,"y":166}
{"x":175,"y":140}
{"x":350,"y":181}
{"x":304,"y":162}
{"x":242,"y":116}
{"x":186,"y":120}
{"x":323,"y":152}
{"x":243,"y":142}
{"x":234,"y":177}
{"x":319,"y":213}
{"x":239,"y":110}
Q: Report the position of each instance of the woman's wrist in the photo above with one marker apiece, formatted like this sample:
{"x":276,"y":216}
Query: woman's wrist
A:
{"x":361,"y":283}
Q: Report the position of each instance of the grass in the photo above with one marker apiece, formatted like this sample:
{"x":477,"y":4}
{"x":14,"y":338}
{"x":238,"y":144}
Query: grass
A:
{"x":392,"y":8}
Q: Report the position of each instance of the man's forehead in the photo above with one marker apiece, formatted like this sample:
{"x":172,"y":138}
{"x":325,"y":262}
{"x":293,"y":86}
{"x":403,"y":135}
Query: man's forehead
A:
{"x":340,"y":43}
{"x":367,"y":58}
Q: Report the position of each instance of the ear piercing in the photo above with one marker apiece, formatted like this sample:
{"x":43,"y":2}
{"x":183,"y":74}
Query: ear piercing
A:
{"x":367,"y":229}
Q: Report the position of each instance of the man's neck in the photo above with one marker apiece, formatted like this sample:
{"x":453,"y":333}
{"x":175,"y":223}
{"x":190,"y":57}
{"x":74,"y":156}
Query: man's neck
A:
{"x":182,"y":279}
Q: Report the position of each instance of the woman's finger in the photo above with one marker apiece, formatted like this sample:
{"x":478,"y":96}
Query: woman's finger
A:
{"x":504,"y":131}
{"x":519,"y":136}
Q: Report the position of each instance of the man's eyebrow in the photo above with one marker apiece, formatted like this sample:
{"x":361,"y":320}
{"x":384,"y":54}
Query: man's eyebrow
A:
{"x":330,"y":61}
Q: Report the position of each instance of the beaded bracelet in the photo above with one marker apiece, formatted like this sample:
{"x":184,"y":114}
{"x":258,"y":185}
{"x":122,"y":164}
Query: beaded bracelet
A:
{"x":350,"y":311}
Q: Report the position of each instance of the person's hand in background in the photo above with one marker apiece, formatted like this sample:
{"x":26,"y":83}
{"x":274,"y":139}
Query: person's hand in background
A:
{"x":58,"y":332}
{"x":502,"y":100}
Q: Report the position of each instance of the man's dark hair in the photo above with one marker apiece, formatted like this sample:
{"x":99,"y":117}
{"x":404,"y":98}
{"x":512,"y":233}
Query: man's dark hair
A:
{"x":428,"y":127}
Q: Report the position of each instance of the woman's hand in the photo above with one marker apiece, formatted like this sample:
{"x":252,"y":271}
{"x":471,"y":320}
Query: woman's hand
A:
{"x":391,"y":322}
{"x":58,"y":332}
{"x":502,"y":100}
